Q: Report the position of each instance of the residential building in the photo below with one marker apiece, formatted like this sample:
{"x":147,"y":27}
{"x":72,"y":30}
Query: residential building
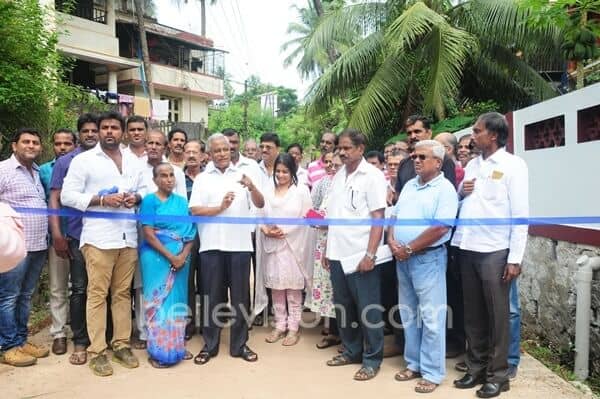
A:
{"x":102,"y":37}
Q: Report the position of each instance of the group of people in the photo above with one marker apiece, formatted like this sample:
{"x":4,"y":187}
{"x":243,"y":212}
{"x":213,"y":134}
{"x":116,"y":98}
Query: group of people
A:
{"x":137,"y":242}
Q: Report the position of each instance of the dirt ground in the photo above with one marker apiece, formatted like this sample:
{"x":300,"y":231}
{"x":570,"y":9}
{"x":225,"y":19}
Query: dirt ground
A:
{"x":290,"y":372}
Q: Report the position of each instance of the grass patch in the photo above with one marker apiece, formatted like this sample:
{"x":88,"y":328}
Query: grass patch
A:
{"x":560,"y":361}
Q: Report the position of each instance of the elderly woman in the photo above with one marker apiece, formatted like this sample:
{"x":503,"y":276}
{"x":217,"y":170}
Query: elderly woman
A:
{"x":284,"y":254}
{"x":322,"y":293}
{"x":164,"y":260}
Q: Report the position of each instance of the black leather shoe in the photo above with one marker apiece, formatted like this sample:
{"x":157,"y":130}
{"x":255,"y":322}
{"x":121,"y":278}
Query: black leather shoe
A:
{"x":493,"y":389}
{"x":469,"y":381}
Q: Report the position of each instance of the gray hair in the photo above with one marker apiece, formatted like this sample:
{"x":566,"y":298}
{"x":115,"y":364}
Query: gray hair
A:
{"x":436,"y":148}
{"x":157,"y":168}
{"x":216,"y":137}
{"x":448,"y":139}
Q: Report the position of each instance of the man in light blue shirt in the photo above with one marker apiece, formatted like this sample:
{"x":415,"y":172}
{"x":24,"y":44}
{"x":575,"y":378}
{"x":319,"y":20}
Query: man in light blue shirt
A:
{"x":421,"y":269}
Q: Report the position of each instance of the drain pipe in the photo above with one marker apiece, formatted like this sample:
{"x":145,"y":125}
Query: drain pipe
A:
{"x":583,"y":280}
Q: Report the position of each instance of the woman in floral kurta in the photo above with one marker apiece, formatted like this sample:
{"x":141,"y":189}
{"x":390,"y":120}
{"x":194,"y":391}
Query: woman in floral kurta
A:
{"x":322,"y":291}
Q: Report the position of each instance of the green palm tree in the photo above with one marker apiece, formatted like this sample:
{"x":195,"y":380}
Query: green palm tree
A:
{"x":313,"y":60}
{"x":427,"y":55}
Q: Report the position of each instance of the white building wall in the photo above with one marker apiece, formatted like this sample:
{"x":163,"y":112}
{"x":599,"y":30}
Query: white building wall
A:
{"x":564,"y":181}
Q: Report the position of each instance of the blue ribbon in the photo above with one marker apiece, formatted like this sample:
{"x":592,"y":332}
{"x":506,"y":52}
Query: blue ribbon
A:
{"x":573,"y":220}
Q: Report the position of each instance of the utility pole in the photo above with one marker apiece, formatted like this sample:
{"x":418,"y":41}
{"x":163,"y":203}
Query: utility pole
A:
{"x":246,"y":108}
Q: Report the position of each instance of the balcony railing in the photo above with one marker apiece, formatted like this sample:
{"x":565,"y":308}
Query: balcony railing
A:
{"x":92,"y":10}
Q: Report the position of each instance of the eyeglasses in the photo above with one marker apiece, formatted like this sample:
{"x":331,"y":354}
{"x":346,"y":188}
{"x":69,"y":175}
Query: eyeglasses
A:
{"x":421,"y":157}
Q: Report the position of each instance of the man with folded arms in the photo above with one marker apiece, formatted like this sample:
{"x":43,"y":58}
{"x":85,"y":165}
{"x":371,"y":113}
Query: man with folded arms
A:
{"x":64,"y":141}
{"x":421,"y":269}
{"x":109,"y":246}
{"x":65,"y":240}
{"x":495,"y":186}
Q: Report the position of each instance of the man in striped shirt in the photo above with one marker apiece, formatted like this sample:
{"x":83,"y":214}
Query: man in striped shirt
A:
{"x":20,"y":186}
{"x":316,"y":169}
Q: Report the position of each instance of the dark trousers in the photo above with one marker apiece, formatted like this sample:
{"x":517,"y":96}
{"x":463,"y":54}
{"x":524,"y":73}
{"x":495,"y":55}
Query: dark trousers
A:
{"x":77,"y":301}
{"x":455,"y":332}
{"x":358,"y":311}
{"x":389,"y":300}
{"x":486,"y":313}
{"x":218,"y":268}
{"x":194,"y":282}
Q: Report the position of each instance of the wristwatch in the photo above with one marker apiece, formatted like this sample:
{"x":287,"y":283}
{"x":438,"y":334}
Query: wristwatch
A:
{"x":371,"y":256}
{"x":408,"y":250}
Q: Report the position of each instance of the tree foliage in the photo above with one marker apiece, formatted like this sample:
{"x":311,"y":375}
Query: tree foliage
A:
{"x":293,"y":124}
{"x":32,"y":91}
{"x":399,"y":57}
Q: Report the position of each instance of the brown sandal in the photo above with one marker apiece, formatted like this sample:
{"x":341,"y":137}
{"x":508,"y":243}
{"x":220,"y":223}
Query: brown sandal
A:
{"x":330,"y":340}
{"x":424,"y":386}
{"x":407,"y":375}
{"x":339,"y":360}
{"x":138,"y":344}
{"x":157,"y":365}
{"x":366,"y":373}
{"x":188,"y":355}
{"x":78,"y":358}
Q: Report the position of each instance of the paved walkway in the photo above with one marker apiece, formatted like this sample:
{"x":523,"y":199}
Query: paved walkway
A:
{"x":281,"y":372}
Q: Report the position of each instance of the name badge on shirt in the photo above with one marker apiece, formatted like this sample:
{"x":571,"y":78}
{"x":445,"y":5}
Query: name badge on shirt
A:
{"x":497,"y":175}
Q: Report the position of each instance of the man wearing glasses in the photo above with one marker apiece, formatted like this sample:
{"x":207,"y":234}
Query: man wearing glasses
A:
{"x":316,"y":169}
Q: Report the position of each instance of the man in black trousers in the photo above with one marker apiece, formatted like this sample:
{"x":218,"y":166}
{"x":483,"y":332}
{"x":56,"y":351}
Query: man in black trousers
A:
{"x":224,"y":190}
{"x":490,"y":254}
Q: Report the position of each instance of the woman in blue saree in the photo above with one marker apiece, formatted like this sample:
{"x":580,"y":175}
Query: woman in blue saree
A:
{"x":165,"y":262}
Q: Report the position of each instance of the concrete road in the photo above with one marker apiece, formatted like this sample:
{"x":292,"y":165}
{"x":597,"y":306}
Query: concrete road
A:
{"x":281,"y":372}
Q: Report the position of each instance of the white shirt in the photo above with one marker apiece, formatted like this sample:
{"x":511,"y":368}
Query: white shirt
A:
{"x":89,"y":173}
{"x":501,"y":191}
{"x":208,"y":190}
{"x":267,"y":182}
{"x":143,"y":158}
{"x":302,"y":175}
{"x":250,"y":168}
{"x":150,"y":186}
{"x":354,"y":197}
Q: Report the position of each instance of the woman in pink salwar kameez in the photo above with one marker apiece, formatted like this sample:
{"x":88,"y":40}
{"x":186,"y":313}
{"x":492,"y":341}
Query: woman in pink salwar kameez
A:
{"x":284,"y":252}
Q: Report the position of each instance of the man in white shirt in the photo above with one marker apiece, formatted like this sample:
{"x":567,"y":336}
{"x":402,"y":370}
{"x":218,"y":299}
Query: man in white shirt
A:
{"x":251,"y":150}
{"x":359,"y":190}
{"x":249,"y":167}
{"x":495,"y":187}
{"x":237,"y":159}
{"x":177,"y":139}
{"x":223,"y":190}
{"x":106,"y":179}
{"x":269,"y":149}
{"x":156,"y":146}
{"x":137,"y":128}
